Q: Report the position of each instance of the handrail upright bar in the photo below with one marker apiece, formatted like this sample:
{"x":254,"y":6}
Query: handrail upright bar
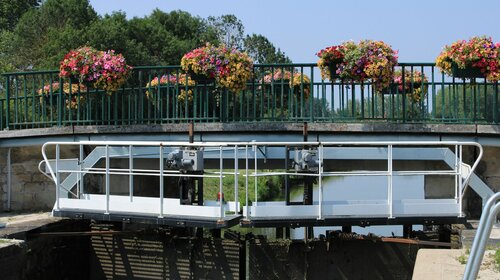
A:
{"x":57,"y":176}
{"x":221,"y":194}
{"x":79,"y":174}
{"x":459,"y":179}
{"x":389,"y":179}
{"x":161,"y":181}
{"x":320,"y":183}
{"x":456,"y":172}
{"x":107,"y":179}
{"x":255,"y":172}
{"x":236,"y":171}
{"x":246,"y":182}
{"x":131,"y":173}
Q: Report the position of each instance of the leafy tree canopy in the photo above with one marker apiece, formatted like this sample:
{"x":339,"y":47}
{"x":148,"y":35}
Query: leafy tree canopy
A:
{"x":37,"y":34}
{"x":11,"y":11}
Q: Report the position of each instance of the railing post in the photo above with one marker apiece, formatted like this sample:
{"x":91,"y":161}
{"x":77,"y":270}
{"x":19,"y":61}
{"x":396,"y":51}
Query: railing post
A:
{"x":389,"y":179}
{"x":58,"y":179}
{"x":60,"y":103}
{"x":131,"y":175}
{"x":107,"y":179}
{"x":255,"y":172}
{"x":320,"y":183}
{"x":161,"y":181}
{"x":403,"y":95}
{"x":460,"y":176}
{"x":7,"y":103}
{"x":80,"y":174}
{"x":495,"y":104}
{"x":236,"y":195}
{"x":221,"y":194}
{"x":246,"y":182}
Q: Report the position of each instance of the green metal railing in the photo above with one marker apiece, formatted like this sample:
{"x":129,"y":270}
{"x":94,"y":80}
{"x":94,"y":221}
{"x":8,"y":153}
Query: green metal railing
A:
{"x":442,"y":99}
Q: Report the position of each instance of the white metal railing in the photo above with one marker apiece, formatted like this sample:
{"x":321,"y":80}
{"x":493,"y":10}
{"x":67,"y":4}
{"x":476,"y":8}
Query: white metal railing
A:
{"x":460,"y":182}
{"x":248,"y":151}
{"x":55,"y":173}
{"x":488,"y":218}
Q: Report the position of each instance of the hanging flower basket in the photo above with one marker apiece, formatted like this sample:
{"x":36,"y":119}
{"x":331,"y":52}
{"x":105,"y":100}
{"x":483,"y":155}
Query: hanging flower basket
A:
{"x":201,"y":79}
{"x":415,"y":85}
{"x":329,"y":60}
{"x":73,"y":95}
{"x":466,"y":73}
{"x":177,"y":83}
{"x":228,"y":68}
{"x":332,"y":68}
{"x":477,"y":58}
{"x":281,"y":84}
{"x":104,"y":70}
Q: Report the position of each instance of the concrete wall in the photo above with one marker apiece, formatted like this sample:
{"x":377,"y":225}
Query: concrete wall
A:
{"x":489,"y":169}
{"x":30,"y":190}
{"x":160,"y":254}
{"x":330,"y":259}
{"x":50,"y":257}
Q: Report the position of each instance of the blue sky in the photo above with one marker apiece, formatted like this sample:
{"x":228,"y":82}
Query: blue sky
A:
{"x":418,"y":29}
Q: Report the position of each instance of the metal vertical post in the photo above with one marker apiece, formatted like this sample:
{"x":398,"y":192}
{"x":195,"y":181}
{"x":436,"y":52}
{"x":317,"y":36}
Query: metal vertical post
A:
{"x":320,"y":183}
{"x":107,"y":179}
{"x":456,"y":171}
{"x":57,"y":176}
{"x":460,"y":178}
{"x":161,"y":181}
{"x":80,"y":174}
{"x":255,"y":171}
{"x":131,"y":176}
{"x":236,"y":195}
{"x":389,"y":178}
{"x":221,"y":194}
{"x":7,"y":102}
{"x":246,"y":182}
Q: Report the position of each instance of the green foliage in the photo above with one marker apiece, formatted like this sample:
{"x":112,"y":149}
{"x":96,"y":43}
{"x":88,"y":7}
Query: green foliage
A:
{"x":229,"y":30}
{"x":11,"y":11}
{"x":165,"y":37}
{"x":269,"y":188}
{"x":497,"y":259}
{"x":462,"y":259}
{"x":43,"y":35}
{"x":460,"y":102}
{"x":38,"y":38}
{"x":261,"y":50}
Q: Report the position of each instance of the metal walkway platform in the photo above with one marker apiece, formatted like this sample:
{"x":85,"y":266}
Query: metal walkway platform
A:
{"x":314,"y":183}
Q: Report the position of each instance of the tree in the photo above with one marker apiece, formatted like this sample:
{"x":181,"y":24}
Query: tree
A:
{"x":114,"y":32}
{"x":166,"y":37}
{"x":11,"y":12}
{"x":42,"y":35}
{"x":261,"y":50}
{"x":229,"y":30}
{"x":470,"y":102}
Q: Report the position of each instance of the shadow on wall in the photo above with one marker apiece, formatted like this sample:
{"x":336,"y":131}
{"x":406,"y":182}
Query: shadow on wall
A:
{"x":159,"y":255}
{"x":334,"y":259}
